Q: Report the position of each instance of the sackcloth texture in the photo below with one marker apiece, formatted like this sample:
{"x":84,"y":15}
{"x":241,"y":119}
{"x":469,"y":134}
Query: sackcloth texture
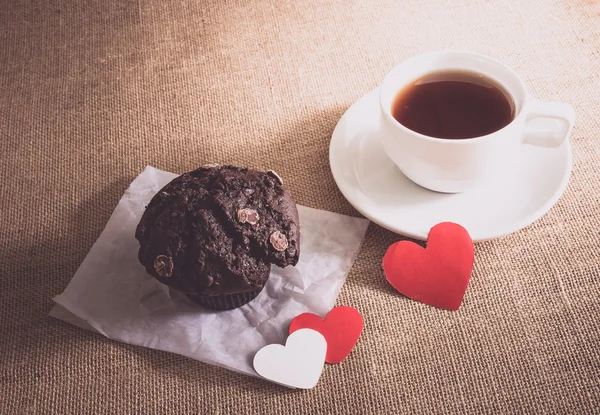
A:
{"x":92,"y":92}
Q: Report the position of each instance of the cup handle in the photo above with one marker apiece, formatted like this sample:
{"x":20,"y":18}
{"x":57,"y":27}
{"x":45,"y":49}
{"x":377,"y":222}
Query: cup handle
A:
{"x":553,"y":136}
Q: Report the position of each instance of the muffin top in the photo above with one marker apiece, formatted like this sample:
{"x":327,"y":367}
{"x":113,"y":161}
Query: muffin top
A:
{"x":217,"y":230}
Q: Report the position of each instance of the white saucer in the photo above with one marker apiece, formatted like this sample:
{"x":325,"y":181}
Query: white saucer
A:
{"x":377,"y":188}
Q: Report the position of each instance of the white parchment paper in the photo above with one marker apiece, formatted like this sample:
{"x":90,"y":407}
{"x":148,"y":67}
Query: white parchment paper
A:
{"x":112,"y":294}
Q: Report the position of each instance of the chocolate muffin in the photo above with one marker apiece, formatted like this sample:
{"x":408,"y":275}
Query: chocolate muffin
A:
{"x":213,"y":234}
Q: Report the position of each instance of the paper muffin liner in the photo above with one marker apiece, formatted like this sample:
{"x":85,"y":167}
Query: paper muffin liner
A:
{"x":224,"y":301}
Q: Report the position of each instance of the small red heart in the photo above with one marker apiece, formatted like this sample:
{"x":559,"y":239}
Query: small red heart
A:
{"x":341,"y":328}
{"x":437,"y":275}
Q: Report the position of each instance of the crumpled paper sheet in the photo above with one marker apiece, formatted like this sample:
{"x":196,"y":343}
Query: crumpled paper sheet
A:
{"x":112,"y":294}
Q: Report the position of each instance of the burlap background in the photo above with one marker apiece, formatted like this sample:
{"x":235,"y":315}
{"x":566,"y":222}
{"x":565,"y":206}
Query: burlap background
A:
{"x":93,"y":91}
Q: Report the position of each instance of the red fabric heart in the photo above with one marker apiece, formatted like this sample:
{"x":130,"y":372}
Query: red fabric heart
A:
{"x":437,"y":275}
{"x":341,"y":328}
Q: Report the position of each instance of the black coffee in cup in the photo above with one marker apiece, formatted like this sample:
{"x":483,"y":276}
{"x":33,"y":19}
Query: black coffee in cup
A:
{"x":453,"y":105}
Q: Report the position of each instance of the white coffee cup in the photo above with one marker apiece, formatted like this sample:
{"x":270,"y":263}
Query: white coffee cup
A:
{"x":453,"y":166}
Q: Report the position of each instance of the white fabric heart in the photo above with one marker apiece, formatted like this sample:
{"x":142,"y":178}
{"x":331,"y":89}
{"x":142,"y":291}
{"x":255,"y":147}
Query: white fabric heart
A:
{"x":297,"y":364}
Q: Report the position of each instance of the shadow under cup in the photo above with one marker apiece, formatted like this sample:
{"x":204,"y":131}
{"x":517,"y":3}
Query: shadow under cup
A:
{"x":458,"y":165}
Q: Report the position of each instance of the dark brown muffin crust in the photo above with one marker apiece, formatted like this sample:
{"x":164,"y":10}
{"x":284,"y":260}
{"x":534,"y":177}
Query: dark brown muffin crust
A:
{"x":217,"y":230}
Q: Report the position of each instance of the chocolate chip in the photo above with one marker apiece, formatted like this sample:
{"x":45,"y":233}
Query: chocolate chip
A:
{"x":279,"y":241}
{"x":272,"y":173}
{"x":248,"y":215}
{"x":163,"y":266}
{"x":252,"y":217}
